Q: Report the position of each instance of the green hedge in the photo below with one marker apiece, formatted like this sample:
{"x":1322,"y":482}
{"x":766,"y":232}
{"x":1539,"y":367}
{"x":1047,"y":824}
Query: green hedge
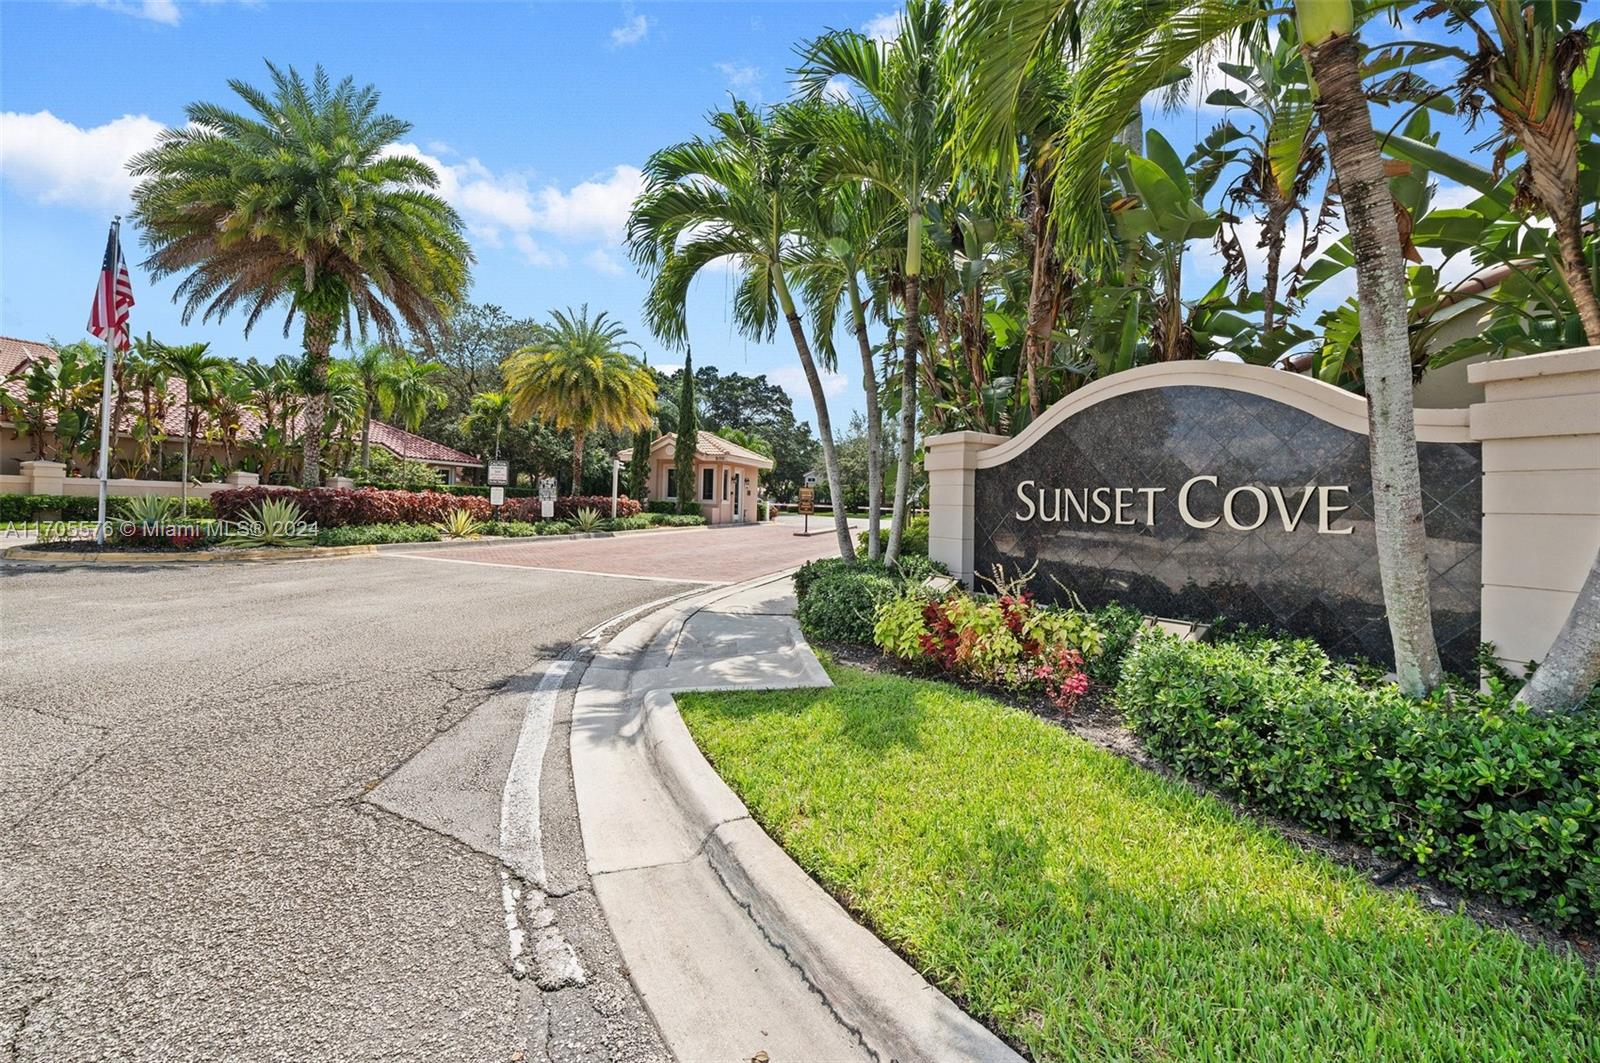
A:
{"x":666,"y":506}
{"x":1470,"y":788}
{"x":374,"y":534}
{"x":913,"y":541}
{"x":20,"y":509}
{"x":837,"y":598}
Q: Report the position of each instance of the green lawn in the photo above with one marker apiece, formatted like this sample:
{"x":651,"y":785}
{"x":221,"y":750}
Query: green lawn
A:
{"x":1092,"y":910}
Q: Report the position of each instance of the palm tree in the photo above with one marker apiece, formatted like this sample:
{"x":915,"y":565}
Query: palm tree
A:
{"x":407,"y":390}
{"x":1527,"y":76}
{"x":294,"y":203}
{"x":897,"y":142}
{"x":489,"y":411}
{"x":201,"y":373}
{"x":274,"y":396}
{"x":1127,"y":50}
{"x":730,"y":198}
{"x":371,"y":364}
{"x":577,"y":377}
{"x":848,"y":230}
{"x":146,"y":371}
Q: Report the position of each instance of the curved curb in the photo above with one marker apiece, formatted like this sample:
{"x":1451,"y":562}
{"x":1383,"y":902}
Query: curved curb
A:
{"x":138,"y":557}
{"x":894,"y":1011}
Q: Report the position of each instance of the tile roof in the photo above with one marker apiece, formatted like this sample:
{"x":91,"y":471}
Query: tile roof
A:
{"x":15,"y":354}
{"x":708,"y":447}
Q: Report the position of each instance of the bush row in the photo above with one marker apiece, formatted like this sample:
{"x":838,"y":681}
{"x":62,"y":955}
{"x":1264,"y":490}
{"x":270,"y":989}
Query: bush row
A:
{"x":1469,"y":787}
{"x":375,"y":534}
{"x":567,"y":507}
{"x":837,"y":598}
{"x":22,"y":508}
{"x":913,"y":541}
{"x":330,"y":507}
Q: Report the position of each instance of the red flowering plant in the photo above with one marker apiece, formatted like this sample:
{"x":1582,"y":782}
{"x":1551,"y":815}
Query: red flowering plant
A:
{"x":1009,"y":641}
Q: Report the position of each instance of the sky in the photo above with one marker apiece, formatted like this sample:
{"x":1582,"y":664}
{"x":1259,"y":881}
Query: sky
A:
{"x":537,"y":116}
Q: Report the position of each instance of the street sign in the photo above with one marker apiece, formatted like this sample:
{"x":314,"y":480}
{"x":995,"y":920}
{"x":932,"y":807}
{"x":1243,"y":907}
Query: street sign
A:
{"x":497,"y":496}
{"x":547,"y":497}
{"x":499,"y":473}
{"x":807,"y":501}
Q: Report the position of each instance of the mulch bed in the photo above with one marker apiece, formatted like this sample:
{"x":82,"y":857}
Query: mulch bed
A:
{"x":1097,"y":721}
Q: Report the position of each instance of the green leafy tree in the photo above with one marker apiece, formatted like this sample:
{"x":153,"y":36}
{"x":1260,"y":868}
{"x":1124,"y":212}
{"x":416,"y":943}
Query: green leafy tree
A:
{"x":409,"y":389}
{"x":294,"y":203}
{"x":577,"y":377}
{"x":489,"y":414}
{"x":688,"y":438}
{"x":639,"y":463}
{"x":730,"y":198}
{"x":201,"y":374}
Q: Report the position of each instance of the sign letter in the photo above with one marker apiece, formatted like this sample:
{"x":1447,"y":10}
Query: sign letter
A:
{"x":1183,"y":503}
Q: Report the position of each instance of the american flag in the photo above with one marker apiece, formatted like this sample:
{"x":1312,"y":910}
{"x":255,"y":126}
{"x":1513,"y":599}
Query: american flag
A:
{"x":113,"y":294}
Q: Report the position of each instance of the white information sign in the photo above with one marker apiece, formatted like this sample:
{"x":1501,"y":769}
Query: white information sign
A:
{"x":497,"y":495}
{"x":499,"y":473}
{"x":547,"y":497}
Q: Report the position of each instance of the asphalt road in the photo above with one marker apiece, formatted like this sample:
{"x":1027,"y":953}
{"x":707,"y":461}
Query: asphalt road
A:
{"x":250,"y":812}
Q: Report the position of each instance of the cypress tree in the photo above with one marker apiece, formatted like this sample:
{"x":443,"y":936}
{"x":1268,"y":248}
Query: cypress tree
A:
{"x":639,"y":467}
{"x":688,"y":434}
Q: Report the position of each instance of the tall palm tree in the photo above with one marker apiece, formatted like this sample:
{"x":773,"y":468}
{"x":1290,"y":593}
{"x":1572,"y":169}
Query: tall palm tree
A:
{"x":201,"y":373}
{"x":1128,"y":49}
{"x":293,"y":203}
{"x":731,"y":198}
{"x":577,"y":377}
{"x":146,"y":371}
{"x":897,"y":141}
{"x":274,"y":396}
{"x":407,"y":390}
{"x":849,"y":231}
{"x":1525,"y":69}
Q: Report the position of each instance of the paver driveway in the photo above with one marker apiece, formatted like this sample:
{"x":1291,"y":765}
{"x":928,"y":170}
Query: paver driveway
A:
{"x":717,"y":555}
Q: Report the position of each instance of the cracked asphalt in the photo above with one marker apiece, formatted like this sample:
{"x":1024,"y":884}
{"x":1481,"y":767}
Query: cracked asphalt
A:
{"x":250,"y":811}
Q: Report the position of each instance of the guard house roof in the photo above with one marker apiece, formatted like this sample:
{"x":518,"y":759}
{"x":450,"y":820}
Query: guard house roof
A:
{"x":709,"y":447}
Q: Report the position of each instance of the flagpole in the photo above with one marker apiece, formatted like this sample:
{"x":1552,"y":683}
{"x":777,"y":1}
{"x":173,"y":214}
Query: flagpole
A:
{"x":105,"y":392}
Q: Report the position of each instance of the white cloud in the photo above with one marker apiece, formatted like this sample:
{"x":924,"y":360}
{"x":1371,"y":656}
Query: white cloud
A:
{"x":494,"y":204}
{"x":837,"y":88}
{"x":740,"y":75}
{"x":633,"y":29}
{"x":59,"y":163}
{"x":602,"y":261}
{"x":885,"y":26}
{"x":163,"y":11}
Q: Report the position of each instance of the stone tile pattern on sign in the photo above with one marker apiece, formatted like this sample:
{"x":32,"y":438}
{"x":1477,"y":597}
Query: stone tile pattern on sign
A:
{"x":1302,"y":582}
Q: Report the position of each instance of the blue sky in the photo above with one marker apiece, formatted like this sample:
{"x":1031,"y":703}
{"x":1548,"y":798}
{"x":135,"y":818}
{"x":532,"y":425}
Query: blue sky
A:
{"x":537,"y":115}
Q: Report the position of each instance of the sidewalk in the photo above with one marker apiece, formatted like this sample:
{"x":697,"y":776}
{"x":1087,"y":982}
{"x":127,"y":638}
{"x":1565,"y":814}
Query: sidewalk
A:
{"x":734,"y":949}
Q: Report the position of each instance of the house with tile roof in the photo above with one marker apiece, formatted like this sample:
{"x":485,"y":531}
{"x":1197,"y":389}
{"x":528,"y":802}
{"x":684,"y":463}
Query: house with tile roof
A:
{"x":725,"y":476}
{"x":17,"y":355}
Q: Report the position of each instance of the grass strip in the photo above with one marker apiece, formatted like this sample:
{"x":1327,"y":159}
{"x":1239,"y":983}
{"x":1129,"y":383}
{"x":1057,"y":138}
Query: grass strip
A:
{"x":1090,"y":909}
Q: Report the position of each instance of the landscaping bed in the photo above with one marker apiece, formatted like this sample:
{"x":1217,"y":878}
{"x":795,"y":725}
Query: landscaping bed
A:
{"x":1087,"y":908}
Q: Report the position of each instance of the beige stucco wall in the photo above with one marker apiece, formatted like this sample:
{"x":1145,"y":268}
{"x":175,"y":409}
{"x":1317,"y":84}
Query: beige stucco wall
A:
{"x":719,"y":509}
{"x":1540,"y":428}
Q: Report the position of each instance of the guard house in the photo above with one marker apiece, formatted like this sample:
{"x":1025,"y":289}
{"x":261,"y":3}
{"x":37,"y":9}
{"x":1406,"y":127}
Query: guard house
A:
{"x":724,"y":477}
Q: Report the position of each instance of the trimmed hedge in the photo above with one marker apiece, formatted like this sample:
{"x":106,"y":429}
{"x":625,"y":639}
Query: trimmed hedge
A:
{"x":330,"y":507}
{"x":669,"y":507}
{"x":1469,"y":787}
{"x":674,"y":520}
{"x":913,"y":541}
{"x":567,"y":507}
{"x":838,"y":598}
{"x":374,"y":534}
{"x":24,"y":508}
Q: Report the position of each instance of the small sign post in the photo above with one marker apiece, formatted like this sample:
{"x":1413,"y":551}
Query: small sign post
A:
{"x":547,"y":497}
{"x":499,"y":473}
{"x":806,"y":507}
{"x":497,"y":496}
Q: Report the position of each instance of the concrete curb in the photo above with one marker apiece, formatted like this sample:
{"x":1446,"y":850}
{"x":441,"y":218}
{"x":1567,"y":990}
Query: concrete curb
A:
{"x":142,"y":557}
{"x":894,"y":1011}
{"x":502,"y":540}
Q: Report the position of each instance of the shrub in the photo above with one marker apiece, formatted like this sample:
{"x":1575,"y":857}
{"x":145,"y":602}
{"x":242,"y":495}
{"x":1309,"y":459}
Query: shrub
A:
{"x":375,"y":534}
{"x":675,"y":520}
{"x":587,"y":520}
{"x":24,"y":508}
{"x":1471,"y":788}
{"x":841,"y":602}
{"x":567,"y":507}
{"x":273,"y":522}
{"x":1010,"y":642}
{"x":1119,"y":627}
{"x":460,"y":524}
{"x":510,"y":528}
{"x":913,"y":541}
{"x":905,"y":570}
{"x":665,"y":506}
{"x":329,"y":507}
{"x":637,"y":523}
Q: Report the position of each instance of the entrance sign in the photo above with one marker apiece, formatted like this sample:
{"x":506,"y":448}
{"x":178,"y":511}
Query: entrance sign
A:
{"x":547,"y":497}
{"x":807,"y":501}
{"x":1209,"y":492}
{"x":499,"y":473}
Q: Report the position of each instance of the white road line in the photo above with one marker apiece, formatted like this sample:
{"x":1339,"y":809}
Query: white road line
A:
{"x":567,"y":571}
{"x":521,"y":843}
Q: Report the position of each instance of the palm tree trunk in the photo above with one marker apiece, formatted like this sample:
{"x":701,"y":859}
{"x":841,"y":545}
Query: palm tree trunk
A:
{"x":366,"y":438}
{"x":577,"y":463}
{"x":1552,"y":152}
{"x":869,"y":384}
{"x":830,"y":456}
{"x":908,"y":416}
{"x":1385,"y":352}
{"x":188,"y":430}
{"x":1041,"y":304}
{"x":1575,"y":271}
{"x":1276,"y":219}
{"x":318,"y":338}
{"x":1571,"y":669}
